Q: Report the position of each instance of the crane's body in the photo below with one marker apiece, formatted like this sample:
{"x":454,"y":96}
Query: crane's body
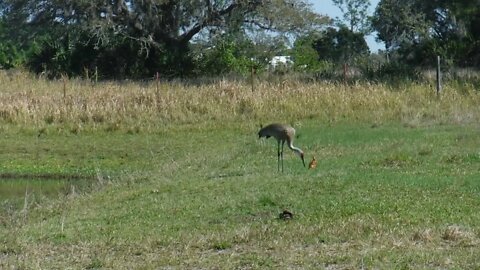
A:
{"x":282,"y":133}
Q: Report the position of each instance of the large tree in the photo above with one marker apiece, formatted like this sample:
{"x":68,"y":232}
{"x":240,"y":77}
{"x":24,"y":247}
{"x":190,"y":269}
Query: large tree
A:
{"x":160,"y":29}
{"x":419,"y":30}
{"x":341,"y":46}
{"x":398,"y":22}
{"x":355,"y":14}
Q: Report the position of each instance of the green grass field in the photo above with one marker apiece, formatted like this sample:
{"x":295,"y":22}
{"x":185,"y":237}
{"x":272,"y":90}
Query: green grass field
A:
{"x":389,"y":192}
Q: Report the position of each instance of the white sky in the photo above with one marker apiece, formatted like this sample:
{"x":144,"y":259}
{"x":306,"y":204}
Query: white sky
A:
{"x":326,"y":7}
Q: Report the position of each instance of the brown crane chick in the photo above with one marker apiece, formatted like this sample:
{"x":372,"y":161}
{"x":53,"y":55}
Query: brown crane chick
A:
{"x":312,"y":164}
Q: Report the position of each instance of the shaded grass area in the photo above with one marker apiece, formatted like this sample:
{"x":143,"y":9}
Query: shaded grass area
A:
{"x":391,"y":196}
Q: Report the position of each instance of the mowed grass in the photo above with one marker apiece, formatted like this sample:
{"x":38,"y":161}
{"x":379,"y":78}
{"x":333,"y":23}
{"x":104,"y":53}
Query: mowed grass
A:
{"x":176,"y":177}
{"x":208,"y":196}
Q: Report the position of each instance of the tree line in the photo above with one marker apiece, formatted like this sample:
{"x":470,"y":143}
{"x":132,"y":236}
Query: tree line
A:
{"x":137,"y":39}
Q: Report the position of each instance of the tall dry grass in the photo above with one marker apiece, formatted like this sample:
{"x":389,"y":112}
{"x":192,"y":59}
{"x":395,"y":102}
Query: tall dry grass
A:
{"x":35,"y":102}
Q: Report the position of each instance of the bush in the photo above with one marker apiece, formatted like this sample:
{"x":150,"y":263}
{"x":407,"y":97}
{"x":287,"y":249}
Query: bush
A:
{"x":10,"y":56}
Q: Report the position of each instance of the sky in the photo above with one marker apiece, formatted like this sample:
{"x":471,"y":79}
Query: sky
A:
{"x":328,"y":8}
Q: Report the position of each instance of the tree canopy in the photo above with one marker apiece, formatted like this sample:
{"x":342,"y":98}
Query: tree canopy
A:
{"x":355,"y":15}
{"x":157,"y":32}
{"x":419,"y":30}
{"x":341,"y":46}
{"x":139,"y":38}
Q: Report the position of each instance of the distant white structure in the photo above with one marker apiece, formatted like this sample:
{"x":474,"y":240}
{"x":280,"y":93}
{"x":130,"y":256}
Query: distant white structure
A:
{"x":281,"y":61}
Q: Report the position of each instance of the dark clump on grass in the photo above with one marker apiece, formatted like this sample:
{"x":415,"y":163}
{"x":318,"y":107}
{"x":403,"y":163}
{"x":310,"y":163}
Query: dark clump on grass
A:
{"x":222,"y":245}
{"x":285,"y":215}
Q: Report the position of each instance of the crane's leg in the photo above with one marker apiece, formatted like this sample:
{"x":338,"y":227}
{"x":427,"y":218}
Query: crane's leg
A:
{"x":278,"y":155}
{"x":281,"y":153}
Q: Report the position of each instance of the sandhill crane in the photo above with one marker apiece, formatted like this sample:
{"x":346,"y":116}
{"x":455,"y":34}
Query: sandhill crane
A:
{"x":283,"y":133}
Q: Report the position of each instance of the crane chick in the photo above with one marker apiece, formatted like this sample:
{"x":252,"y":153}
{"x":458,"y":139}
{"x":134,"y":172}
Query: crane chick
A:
{"x":312,"y":164}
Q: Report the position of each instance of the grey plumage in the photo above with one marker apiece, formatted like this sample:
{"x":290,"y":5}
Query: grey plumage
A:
{"x":282,"y":133}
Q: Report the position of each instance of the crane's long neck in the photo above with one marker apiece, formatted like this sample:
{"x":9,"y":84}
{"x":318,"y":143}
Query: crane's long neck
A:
{"x":293,"y":148}
{"x":297,"y":151}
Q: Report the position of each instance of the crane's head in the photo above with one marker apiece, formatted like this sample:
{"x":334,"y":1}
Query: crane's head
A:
{"x":301,"y":155}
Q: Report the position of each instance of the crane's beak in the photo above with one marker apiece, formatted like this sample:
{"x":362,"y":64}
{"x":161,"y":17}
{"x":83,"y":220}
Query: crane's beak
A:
{"x":303,"y":160}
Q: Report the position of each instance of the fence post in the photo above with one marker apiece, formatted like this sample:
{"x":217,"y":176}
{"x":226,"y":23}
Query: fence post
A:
{"x":439,"y":77}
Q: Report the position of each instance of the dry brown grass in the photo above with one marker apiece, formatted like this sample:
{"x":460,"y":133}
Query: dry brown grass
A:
{"x":29,"y":101}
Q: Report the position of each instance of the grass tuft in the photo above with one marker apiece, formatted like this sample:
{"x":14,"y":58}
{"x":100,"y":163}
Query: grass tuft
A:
{"x":456,"y":233}
{"x":424,"y":236}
